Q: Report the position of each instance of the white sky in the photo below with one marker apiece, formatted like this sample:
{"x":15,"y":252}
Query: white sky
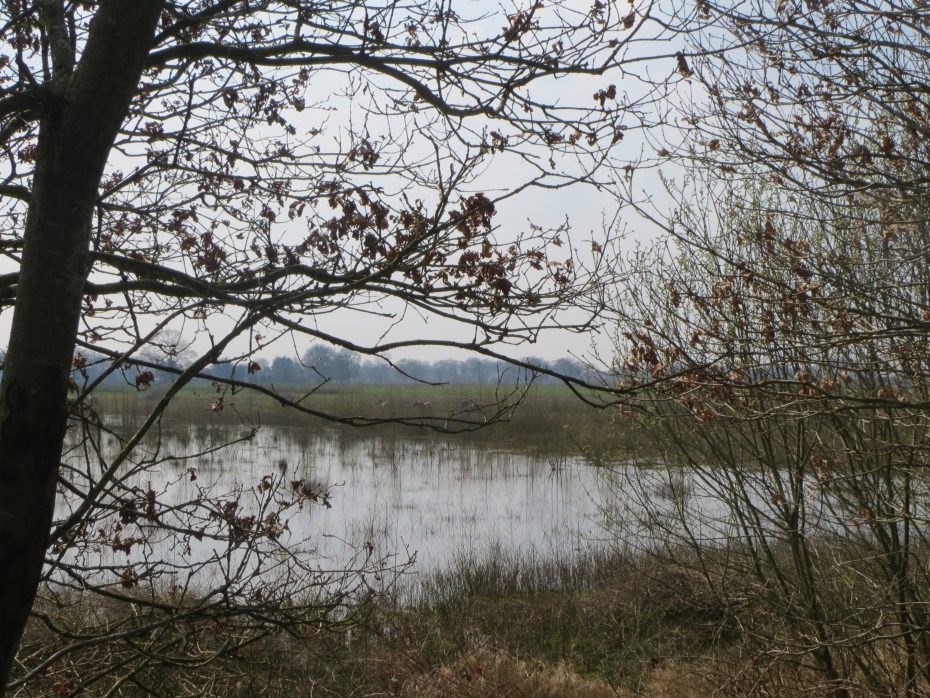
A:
{"x":586,"y":208}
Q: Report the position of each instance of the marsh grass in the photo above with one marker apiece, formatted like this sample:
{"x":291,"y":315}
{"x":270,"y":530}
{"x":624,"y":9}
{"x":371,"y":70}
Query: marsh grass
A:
{"x":503,"y":625}
{"x":549,"y":421}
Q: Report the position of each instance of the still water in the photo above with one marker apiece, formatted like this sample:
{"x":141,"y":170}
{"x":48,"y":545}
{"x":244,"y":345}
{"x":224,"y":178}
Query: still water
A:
{"x":429,"y":501}
{"x":416,"y":506}
{"x":433,"y":499}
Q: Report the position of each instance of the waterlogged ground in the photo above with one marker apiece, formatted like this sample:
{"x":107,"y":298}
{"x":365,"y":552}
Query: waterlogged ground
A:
{"x":431,"y":501}
{"x":504,"y":545}
{"x":399,"y":505}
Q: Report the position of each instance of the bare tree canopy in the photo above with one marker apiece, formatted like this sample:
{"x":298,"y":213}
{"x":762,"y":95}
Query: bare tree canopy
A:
{"x":233,"y":171}
{"x":829,"y":96}
{"x":779,"y":335}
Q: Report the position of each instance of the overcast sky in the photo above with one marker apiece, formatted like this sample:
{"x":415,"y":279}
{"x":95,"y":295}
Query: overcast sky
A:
{"x":587,"y":210}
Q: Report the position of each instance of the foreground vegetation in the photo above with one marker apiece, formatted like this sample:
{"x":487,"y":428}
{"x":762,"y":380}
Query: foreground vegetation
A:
{"x":749,"y":611}
{"x":602,"y":625}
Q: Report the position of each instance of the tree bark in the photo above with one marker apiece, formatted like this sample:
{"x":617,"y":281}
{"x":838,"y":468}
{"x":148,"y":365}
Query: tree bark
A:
{"x":79,"y":123}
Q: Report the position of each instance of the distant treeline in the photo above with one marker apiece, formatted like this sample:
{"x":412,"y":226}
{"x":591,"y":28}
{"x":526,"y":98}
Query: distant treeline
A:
{"x":321,"y":363}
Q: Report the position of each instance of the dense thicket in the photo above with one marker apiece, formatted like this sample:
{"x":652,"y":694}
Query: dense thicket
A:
{"x":780,"y":335}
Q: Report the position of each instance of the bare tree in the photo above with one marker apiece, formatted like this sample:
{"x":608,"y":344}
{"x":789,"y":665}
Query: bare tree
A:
{"x":778,"y":335}
{"x":236,"y":171}
{"x":826,"y":98}
{"x":786,"y":404}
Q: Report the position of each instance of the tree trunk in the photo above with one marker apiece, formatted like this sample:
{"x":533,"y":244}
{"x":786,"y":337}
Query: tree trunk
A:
{"x":78,"y":126}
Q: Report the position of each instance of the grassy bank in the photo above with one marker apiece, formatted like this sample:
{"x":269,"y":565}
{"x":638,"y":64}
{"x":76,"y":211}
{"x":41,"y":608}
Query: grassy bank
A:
{"x":596,"y":625}
{"x":548,"y":420}
{"x":599,"y":625}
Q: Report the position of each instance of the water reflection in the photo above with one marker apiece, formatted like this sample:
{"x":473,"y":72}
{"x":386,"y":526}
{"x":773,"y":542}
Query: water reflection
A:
{"x":430,"y":499}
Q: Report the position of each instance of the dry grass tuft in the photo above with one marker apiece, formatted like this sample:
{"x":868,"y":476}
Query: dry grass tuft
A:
{"x":496,"y":674}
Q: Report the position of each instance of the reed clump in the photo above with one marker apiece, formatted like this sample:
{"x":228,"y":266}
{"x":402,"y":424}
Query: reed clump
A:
{"x":590,"y":626}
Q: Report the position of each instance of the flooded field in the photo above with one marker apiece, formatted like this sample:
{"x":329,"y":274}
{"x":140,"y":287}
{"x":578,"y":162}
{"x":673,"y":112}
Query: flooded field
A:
{"x":428,"y":502}
{"x":405,"y":506}
{"x":433,"y":547}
